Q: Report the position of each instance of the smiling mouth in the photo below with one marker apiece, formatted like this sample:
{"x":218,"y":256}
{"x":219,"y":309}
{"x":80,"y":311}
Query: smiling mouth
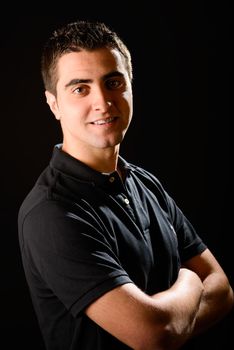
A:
{"x":104,"y":121}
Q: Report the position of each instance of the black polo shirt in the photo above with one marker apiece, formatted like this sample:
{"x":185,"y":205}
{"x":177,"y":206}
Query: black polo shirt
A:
{"x":82,"y":233}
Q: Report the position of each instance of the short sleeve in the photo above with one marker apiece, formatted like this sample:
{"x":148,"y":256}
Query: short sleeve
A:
{"x":72,"y":255}
{"x":189,"y":242}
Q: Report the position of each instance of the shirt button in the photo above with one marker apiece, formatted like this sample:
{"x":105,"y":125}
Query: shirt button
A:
{"x":126,"y":200}
{"x":112,"y":179}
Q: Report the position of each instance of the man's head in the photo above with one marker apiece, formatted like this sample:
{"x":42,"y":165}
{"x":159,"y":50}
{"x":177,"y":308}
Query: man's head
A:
{"x":74,"y":37}
{"x":87,"y":75}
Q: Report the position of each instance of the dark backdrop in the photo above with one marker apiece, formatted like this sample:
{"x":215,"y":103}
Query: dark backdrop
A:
{"x":183,"y":74}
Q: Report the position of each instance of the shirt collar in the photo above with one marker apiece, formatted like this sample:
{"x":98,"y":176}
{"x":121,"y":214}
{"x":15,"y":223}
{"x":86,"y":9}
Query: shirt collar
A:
{"x":72,"y":167}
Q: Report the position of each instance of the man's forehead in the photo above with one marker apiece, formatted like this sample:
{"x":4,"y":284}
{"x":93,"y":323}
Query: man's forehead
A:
{"x":87,"y":64}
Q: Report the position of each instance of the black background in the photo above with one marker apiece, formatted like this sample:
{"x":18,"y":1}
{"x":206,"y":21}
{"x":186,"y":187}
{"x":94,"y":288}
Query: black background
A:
{"x":183,"y":77}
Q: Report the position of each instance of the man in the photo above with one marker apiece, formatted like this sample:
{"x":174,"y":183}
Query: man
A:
{"x":111,"y":261}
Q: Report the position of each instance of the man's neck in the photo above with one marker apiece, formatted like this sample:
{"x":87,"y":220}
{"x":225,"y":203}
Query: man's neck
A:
{"x":102,"y":160}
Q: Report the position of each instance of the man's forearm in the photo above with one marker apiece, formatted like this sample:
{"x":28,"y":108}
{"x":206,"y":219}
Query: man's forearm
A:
{"x":216,"y":302}
{"x":182,"y":302}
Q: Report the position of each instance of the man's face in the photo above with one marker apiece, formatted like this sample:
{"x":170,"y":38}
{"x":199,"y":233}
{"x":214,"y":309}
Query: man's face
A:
{"x":94,"y":99}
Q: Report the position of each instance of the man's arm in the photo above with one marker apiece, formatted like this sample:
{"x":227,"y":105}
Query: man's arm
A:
{"x":163,"y":321}
{"x":217,"y":299}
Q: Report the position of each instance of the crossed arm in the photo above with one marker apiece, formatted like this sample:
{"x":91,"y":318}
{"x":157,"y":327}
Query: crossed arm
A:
{"x":200,"y":297}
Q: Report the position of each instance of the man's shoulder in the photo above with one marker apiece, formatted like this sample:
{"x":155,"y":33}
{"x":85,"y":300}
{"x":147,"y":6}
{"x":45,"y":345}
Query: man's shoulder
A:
{"x":145,"y":174}
{"x":37,"y":194}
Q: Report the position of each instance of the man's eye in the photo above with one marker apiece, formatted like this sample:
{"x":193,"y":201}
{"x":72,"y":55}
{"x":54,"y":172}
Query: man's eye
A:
{"x":80,"y":90}
{"x":114,"y":84}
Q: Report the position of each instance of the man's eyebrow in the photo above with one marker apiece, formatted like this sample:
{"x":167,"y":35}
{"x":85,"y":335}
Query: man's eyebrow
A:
{"x":78,"y":81}
{"x":88,"y":81}
{"x":113,"y":74}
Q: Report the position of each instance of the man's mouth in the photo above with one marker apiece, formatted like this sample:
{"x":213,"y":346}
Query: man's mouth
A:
{"x":104,"y":121}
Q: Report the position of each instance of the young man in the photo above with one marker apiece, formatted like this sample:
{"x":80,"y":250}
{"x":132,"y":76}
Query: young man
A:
{"x":110,"y":260}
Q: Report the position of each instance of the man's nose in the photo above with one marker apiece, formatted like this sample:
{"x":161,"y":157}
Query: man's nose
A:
{"x":101,"y":100}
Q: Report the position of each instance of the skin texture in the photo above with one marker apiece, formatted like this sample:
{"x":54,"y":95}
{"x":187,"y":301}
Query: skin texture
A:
{"x":93,"y":103}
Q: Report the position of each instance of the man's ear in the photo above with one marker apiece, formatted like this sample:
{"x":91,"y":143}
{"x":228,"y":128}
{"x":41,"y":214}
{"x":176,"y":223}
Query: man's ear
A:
{"x":52,"y":102}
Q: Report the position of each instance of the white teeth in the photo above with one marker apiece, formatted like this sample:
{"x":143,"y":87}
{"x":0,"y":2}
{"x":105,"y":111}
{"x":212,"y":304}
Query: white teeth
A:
{"x":105,"y":121}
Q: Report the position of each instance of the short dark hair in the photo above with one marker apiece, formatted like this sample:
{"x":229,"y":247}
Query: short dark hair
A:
{"x":74,"y":37}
